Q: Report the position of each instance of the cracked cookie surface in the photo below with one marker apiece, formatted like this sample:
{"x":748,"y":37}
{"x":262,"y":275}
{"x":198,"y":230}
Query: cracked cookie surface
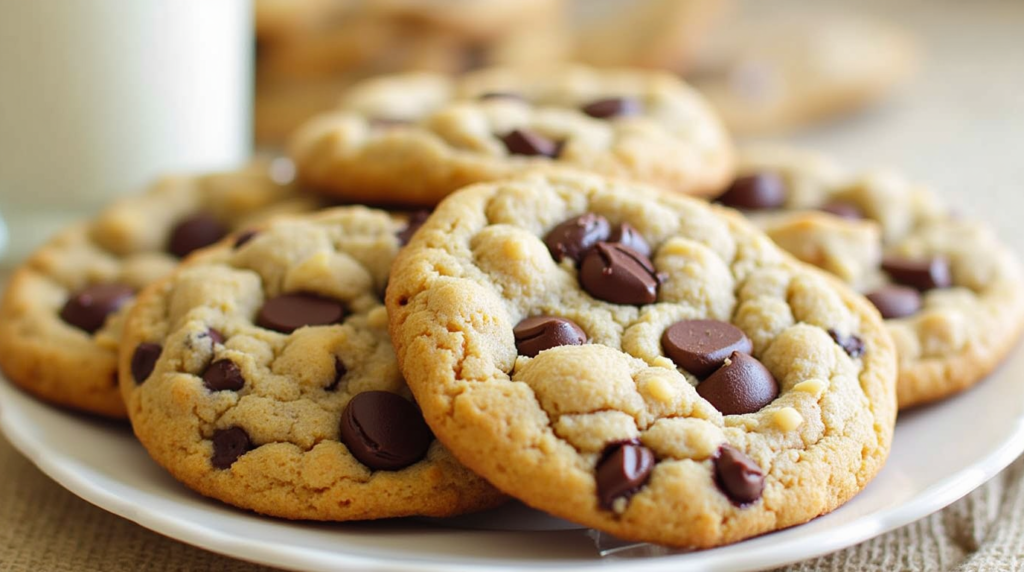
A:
{"x":260,"y":373}
{"x":412,"y":139}
{"x":648,"y":315}
{"x":953,"y":293}
{"x":62,"y":312}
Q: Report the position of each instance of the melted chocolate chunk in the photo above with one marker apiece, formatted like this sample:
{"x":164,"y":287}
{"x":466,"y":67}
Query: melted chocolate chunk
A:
{"x":575,"y":237}
{"x":339,"y":372}
{"x":88,"y":308}
{"x":223,"y":375}
{"x":743,"y":385}
{"x":289,"y":312}
{"x":623,"y":471}
{"x":216,"y":337}
{"x":762,"y":191}
{"x":538,"y":333}
{"x":626,"y":235}
{"x":894,"y":301}
{"x":613,"y":107}
{"x":923,"y":274}
{"x":701,"y":346}
{"x":228,"y":445}
{"x":851,"y":344}
{"x":738,"y":476}
{"x":620,"y":275}
{"x":531,"y":144}
{"x":144,"y":360}
{"x":194,"y":233}
{"x":384,"y":431}
{"x":245,"y":237}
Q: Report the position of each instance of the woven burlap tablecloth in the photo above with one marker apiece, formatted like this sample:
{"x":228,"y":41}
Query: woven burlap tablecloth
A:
{"x":960,"y":126}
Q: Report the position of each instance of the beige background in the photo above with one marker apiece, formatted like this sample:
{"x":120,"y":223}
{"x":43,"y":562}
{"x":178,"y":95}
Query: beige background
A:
{"x":959,"y":126}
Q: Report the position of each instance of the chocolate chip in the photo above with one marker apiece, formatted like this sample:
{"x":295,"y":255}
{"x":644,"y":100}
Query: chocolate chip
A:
{"x":215,"y":336}
{"x":895,"y":301}
{"x":701,"y":346}
{"x":144,"y":360}
{"x":88,"y":308}
{"x":289,"y":312}
{"x":414,"y":223}
{"x":538,"y":333}
{"x":623,"y":470}
{"x":743,"y":385}
{"x":530,"y":143}
{"x":384,"y":431}
{"x":618,"y":274}
{"x":842,"y":209}
{"x":339,"y":372}
{"x":194,"y":233}
{"x":921,"y":274}
{"x":761,"y":191}
{"x":738,"y":476}
{"x":502,"y":95}
{"x":228,"y":445}
{"x":223,"y":375}
{"x":613,"y":107}
{"x":245,"y":237}
{"x":851,"y":344}
{"x":575,"y":237}
{"x":626,"y":235}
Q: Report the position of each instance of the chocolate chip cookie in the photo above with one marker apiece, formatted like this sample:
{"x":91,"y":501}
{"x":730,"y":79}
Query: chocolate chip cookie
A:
{"x":639,"y":361}
{"x":61,"y":315}
{"x":260,"y":373}
{"x":951,"y":292}
{"x":412,"y":139}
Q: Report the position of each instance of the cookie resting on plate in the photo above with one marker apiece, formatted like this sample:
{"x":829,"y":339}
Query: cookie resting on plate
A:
{"x":412,"y":139}
{"x":951,"y":292}
{"x":638,"y":361}
{"x":61,"y":315}
{"x":260,"y":374}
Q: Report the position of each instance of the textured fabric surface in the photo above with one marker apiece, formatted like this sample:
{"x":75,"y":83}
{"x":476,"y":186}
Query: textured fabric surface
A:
{"x":959,"y":126}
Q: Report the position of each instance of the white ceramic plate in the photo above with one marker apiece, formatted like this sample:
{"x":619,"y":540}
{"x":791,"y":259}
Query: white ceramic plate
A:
{"x":940,"y":454}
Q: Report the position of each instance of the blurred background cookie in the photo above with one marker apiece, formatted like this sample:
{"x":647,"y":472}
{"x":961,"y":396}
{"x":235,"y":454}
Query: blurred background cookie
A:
{"x":307,"y":57}
{"x":768,"y":75}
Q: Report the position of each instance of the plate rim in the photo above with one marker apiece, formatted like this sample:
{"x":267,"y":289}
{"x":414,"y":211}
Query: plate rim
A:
{"x":62,"y":470}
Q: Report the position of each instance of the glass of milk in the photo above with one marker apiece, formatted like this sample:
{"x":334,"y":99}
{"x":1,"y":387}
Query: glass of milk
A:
{"x":98,"y":97}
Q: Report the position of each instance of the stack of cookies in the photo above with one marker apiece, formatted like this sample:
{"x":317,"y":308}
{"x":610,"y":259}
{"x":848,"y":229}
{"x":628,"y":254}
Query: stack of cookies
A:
{"x":541,"y":303}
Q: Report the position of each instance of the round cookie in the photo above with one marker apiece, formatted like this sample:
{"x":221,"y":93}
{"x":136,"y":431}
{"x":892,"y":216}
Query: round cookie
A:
{"x":767,"y":73}
{"x":260,"y":373}
{"x":412,"y":139}
{"x":62,"y":311}
{"x":722,"y":389}
{"x":952,"y":292}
